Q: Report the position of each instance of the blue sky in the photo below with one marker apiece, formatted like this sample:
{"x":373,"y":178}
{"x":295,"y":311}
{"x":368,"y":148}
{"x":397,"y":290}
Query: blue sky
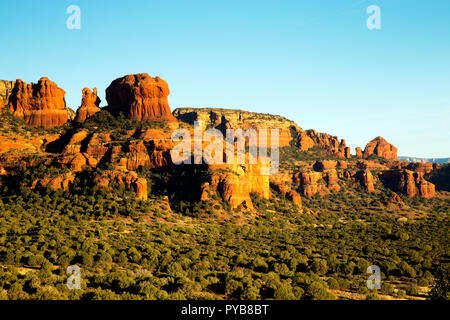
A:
{"x":314,"y":62}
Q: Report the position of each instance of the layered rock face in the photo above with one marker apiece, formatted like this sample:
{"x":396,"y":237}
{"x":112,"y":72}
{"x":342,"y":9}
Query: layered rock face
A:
{"x":223,"y":119}
{"x":149,"y":149}
{"x":330,"y":144}
{"x":409,"y":183}
{"x":380,"y":148}
{"x":289,"y":131}
{"x":140,"y":97}
{"x":6,"y":88}
{"x":366,"y":179}
{"x":90,"y":103}
{"x":424,"y":167}
{"x":40,"y":104}
{"x":235,"y":183}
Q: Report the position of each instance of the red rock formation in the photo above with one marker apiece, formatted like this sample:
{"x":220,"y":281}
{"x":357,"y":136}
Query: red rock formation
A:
{"x":368,"y":164}
{"x":74,"y":144}
{"x":130,"y":180}
{"x":150,"y":154}
{"x":56,"y":183}
{"x":309,"y":183}
{"x":140,"y":97}
{"x":97,"y":145}
{"x":409,"y":183}
{"x":231,"y":187}
{"x":342,"y":164}
{"x":235,"y":191}
{"x":235,"y":183}
{"x":40,"y":104}
{"x":290,"y":194}
{"x":380,"y":148}
{"x":396,"y":198}
{"x":89,"y":105}
{"x":329,"y":143}
{"x":5,"y":90}
{"x":366,"y":179}
{"x":305,"y":142}
{"x":293,"y":196}
{"x":420,"y":167}
{"x":358,"y":152}
{"x":325,"y":165}
{"x":332,"y":180}
{"x":348,"y":154}
{"x":141,"y":188}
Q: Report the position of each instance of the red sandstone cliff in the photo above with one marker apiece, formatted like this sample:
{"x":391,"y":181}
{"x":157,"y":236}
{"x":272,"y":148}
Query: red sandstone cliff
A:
{"x":40,"y":104}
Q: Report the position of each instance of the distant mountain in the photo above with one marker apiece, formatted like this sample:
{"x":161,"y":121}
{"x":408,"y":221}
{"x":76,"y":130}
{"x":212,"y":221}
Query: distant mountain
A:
{"x":432,"y":160}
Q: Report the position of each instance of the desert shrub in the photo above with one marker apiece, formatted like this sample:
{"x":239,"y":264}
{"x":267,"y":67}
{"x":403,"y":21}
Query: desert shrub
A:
{"x":372,"y":296}
{"x":333,"y":284}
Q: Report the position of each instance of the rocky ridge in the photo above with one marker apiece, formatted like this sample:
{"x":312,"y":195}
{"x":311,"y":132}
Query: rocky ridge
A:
{"x":144,"y":99}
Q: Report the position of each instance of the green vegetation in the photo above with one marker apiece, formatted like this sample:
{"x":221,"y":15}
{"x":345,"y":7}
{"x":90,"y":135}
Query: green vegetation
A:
{"x":104,"y":121}
{"x":130,"y":249}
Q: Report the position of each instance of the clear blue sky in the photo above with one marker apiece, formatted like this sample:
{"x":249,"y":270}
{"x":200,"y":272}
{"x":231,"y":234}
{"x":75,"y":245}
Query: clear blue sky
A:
{"x":314,"y":62}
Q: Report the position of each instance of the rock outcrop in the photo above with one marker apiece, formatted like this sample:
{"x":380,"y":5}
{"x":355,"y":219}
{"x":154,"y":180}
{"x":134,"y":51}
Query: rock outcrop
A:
{"x":288,"y":192}
{"x":309,"y":182}
{"x":90,"y":103}
{"x":6,"y":88}
{"x":424,"y":167}
{"x":130,"y":180}
{"x":365,"y":177}
{"x":140,"y":97}
{"x":325,"y":165}
{"x":223,"y":119}
{"x":331,"y":178}
{"x":408,"y":183}
{"x":358,"y":152}
{"x":40,"y":104}
{"x":330,"y":144}
{"x":235,"y":182}
{"x":60,"y":182}
{"x":380,"y":148}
